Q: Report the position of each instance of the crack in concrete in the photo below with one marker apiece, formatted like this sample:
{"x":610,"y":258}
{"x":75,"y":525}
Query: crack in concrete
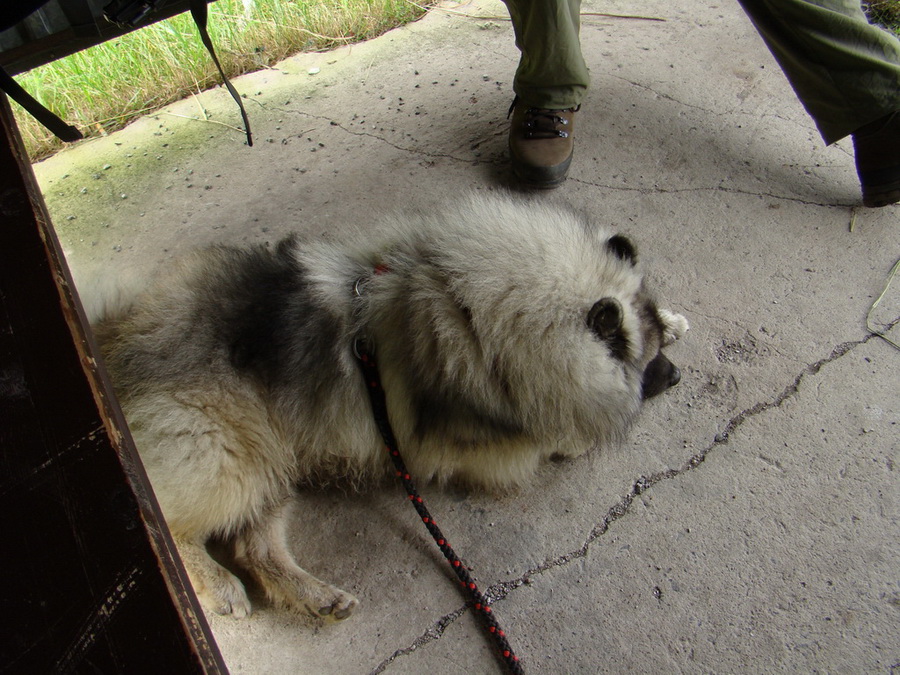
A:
{"x":617,"y":188}
{"x":717,"y":113}
{"x":712,"y":188}
{"x":433,"y":633}
{"x":412,"y":151}
{"x":666,"y":97}
{"x":338,"y":125}
{"x":501,"y":589}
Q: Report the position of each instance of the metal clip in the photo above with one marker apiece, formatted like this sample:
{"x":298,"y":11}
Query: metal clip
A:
{"x":362,"y":347}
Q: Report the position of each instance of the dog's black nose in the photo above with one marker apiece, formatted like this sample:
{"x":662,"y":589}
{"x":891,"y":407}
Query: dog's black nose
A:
{"x":659,"y":375}
{"x":674,"y":376}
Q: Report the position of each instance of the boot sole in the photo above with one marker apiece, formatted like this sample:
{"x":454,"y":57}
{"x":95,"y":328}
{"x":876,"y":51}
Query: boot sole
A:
{"x":541,"y":177}
{"x":882,"y":199}
{"x":884,"y":194}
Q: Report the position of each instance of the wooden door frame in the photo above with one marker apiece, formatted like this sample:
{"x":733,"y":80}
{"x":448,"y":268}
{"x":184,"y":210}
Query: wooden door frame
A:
{"x":92,"y":579}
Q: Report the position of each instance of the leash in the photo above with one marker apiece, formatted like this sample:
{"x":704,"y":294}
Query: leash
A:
{"x":379,"y":409}
{"x":199,"y":13}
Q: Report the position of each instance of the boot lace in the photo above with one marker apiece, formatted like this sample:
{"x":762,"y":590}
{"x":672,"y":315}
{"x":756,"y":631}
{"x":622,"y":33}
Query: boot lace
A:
{"x":543,"y":123}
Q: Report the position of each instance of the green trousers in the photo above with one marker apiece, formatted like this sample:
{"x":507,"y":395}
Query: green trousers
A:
{"x":845,"y":71}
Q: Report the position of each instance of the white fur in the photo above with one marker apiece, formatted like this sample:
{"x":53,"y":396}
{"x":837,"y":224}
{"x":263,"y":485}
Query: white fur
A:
{"x":479,"y":322}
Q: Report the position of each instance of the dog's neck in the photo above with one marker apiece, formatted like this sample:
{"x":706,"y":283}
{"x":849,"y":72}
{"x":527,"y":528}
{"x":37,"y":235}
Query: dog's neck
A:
{"x":363,"y":343}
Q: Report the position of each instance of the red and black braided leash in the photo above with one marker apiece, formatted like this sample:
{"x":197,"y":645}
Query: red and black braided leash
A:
{"x":379,"y":409}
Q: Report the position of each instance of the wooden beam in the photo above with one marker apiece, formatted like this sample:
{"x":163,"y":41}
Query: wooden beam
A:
{"x":91,"y":579}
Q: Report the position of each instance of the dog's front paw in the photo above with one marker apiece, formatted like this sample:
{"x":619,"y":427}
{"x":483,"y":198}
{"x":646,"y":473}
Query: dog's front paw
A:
{"x":226,"y":595}
{"x":674,"y":326}
{"x":332,"y":604}
{"x":295,"y":588}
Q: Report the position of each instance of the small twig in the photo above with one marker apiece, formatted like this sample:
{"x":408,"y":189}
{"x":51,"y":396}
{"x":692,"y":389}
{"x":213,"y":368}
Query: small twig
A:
{"x":134,"y":113}
{"x":624,"y":16}
{"x":200,"y":105}
{"x":365,"y":78}
{"x":853,"y":212}
{"x":887,"y":285}
{"x":197,"y":119}
{"x":446,"y":10}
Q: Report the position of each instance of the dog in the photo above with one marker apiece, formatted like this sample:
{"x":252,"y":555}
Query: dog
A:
{"x":507,"y":332}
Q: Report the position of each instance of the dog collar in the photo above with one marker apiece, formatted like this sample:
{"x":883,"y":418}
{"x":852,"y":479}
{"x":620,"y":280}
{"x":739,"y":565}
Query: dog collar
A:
{"x":361,"y":343}
{"x":360,"y":283}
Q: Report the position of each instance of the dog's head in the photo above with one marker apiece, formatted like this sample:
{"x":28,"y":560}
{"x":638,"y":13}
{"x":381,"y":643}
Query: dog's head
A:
{"x":506,"y":320}
{"x":642,"y":344}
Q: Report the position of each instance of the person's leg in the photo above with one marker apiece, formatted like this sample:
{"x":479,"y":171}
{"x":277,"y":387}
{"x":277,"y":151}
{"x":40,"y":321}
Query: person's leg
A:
{"x":550,"y":83}
{"x":551,"y":73}
{"x":846,"y":74}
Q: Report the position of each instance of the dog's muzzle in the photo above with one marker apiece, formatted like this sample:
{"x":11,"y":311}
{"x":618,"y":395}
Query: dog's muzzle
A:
{"x":659,"y":375}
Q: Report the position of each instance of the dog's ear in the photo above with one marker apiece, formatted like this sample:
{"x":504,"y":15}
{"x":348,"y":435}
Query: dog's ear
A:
{"x":621,"y":247}
{"x":286,"y":246}
{"x":605,"y":318}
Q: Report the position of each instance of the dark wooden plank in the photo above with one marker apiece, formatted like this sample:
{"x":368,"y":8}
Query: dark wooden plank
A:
{"x":90,"y":579}
{"x":22,"y":48}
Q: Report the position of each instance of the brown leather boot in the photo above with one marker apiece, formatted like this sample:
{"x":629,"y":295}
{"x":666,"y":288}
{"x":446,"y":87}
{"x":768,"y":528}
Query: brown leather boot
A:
{"x":541,"y":144}
{"x":876,"y":147}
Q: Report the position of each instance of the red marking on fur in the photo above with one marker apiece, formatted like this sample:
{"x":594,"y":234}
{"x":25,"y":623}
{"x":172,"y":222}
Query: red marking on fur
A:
{"x":381,"y":268}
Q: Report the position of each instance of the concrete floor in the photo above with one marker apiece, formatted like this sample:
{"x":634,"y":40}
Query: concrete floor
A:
{"x":765,"y":535}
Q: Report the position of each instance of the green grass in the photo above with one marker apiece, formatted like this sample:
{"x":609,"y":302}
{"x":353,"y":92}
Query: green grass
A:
{"x":885,"y":13}
{"x":103,"y":88}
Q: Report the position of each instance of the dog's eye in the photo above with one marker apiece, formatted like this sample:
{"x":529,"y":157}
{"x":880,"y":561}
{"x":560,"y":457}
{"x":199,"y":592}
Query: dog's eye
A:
{"x":605,"y":318}
{"x":605,"y":321}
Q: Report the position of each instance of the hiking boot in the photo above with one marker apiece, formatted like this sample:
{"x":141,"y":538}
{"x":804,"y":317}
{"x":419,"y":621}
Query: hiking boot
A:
{"x":876,"y":147}
{"x":541,"y":144}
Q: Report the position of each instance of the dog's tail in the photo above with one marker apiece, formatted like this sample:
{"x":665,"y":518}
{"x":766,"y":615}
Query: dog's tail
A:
{"x":106,"y":294}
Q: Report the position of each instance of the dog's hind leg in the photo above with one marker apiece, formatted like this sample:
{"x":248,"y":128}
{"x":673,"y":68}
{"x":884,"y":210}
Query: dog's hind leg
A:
{"x":263,"y":550}
{"x":216,"y":587}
